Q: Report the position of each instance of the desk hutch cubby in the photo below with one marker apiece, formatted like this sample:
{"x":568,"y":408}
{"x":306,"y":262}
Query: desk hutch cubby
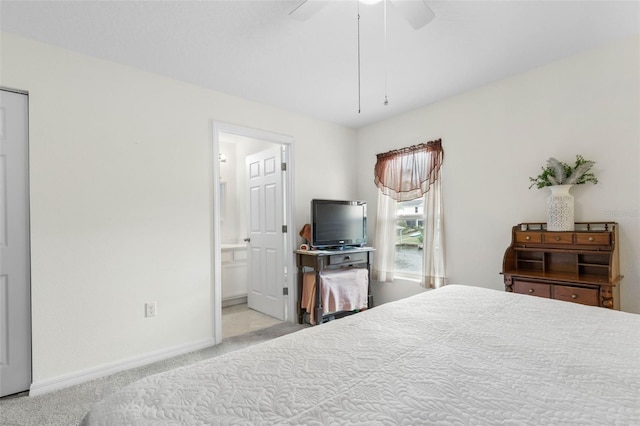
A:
{"x":580,"y":266}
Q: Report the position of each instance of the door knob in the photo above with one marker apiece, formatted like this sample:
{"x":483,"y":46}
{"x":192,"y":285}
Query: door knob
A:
{"x":247,"y":240}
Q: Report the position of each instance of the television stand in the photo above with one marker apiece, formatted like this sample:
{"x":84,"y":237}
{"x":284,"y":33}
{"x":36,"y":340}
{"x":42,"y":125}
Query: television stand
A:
{"x":338,"y":248}
{"x":319,"y":260}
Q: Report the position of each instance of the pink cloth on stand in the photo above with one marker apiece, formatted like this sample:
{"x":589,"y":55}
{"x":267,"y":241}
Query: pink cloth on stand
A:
{"x":342,"y":290}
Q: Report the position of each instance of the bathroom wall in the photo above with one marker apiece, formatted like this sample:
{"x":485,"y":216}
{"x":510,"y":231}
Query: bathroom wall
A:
{"x":233,"y":173}
{"x":229,"y":204}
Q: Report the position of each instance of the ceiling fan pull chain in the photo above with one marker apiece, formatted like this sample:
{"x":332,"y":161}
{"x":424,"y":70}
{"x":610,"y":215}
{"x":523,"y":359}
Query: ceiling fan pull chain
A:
{"x":358,"y":2}
{"x":386,"y":101}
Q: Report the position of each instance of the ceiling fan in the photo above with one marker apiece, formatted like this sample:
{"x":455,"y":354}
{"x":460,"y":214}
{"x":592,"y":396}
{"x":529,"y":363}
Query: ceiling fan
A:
{"x":416,"y":12}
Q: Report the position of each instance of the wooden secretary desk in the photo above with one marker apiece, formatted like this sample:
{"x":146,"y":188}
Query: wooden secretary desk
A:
{"x":580,"y":266}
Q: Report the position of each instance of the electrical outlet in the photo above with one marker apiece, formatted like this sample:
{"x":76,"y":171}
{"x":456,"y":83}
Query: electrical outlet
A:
{"x":150,"y":309}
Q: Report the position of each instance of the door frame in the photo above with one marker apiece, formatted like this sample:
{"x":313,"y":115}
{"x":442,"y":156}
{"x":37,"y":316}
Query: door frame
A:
{"x":219,"y":128}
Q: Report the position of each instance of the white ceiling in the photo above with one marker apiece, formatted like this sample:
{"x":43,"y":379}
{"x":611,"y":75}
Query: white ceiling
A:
{"x":254,"y":50}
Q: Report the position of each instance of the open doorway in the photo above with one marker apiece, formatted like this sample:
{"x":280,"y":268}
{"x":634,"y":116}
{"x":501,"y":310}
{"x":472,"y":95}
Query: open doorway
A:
{"x":251,"y":277}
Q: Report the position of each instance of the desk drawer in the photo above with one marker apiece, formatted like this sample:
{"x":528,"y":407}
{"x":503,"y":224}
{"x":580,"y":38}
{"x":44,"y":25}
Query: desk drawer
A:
{"x":558,"y":237}
{"x":594,"y":238}
{"x":585,"y":296}
{"x":534,"y":289}
{"x":347,"y":258}
{"x":528,"y":237}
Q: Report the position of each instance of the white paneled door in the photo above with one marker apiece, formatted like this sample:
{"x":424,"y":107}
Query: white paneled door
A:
{"x":266,"y":274}
{"x":15,"y":287}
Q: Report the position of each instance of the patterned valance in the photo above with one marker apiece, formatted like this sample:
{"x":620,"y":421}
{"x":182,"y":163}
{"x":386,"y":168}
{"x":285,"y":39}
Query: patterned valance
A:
{"x":406,"y":174}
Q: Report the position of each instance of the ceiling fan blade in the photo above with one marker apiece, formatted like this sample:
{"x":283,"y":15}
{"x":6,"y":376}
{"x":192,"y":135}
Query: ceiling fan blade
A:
{"x":415,"y":11}
{"x":306,"y":9}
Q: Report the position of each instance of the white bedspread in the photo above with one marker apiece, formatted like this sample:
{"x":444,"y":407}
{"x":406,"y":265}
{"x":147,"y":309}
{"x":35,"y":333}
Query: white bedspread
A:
{"x":458,"y":355}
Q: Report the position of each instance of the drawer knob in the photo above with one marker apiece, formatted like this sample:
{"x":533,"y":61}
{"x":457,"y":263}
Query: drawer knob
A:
{"x":591,"y":239}
{"x":527,"y":237}
{"x":574,"y":296}
{"x":530,"y":290}
{"x":557,"y":238}
{"x":347,"y":257}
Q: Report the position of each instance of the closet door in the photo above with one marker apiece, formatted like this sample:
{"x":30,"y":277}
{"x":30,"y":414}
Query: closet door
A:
{"x":15,"y":281}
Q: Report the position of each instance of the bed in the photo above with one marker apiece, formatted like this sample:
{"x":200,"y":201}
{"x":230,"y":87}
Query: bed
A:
{"x":457,"y":355}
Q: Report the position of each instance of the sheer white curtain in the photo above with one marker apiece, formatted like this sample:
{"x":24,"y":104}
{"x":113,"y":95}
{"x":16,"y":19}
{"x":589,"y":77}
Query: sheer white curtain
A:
{"x":433,"y":263}
{"x":403,"y":175}
{"x":384,"y":266}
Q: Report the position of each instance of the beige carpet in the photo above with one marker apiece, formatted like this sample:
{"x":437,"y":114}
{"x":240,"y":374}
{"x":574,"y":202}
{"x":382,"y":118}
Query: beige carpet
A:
{"x":68,"y":406}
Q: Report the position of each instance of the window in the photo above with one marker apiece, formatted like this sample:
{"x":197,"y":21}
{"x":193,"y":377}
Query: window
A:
{"x":409,"y":235}
{"x":409,"y":239}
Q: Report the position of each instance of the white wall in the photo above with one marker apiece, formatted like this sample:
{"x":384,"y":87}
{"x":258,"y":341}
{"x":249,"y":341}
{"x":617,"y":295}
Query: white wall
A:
{"x":497,"y":136}
{"x":121,"y":184}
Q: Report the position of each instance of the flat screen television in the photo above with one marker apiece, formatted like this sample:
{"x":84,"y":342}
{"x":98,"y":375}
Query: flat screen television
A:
{"x":338,"y":224}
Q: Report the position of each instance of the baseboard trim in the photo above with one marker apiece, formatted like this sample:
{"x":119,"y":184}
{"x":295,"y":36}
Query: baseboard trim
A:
{"x":238,"y":300}
{"x":75,"y":378}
